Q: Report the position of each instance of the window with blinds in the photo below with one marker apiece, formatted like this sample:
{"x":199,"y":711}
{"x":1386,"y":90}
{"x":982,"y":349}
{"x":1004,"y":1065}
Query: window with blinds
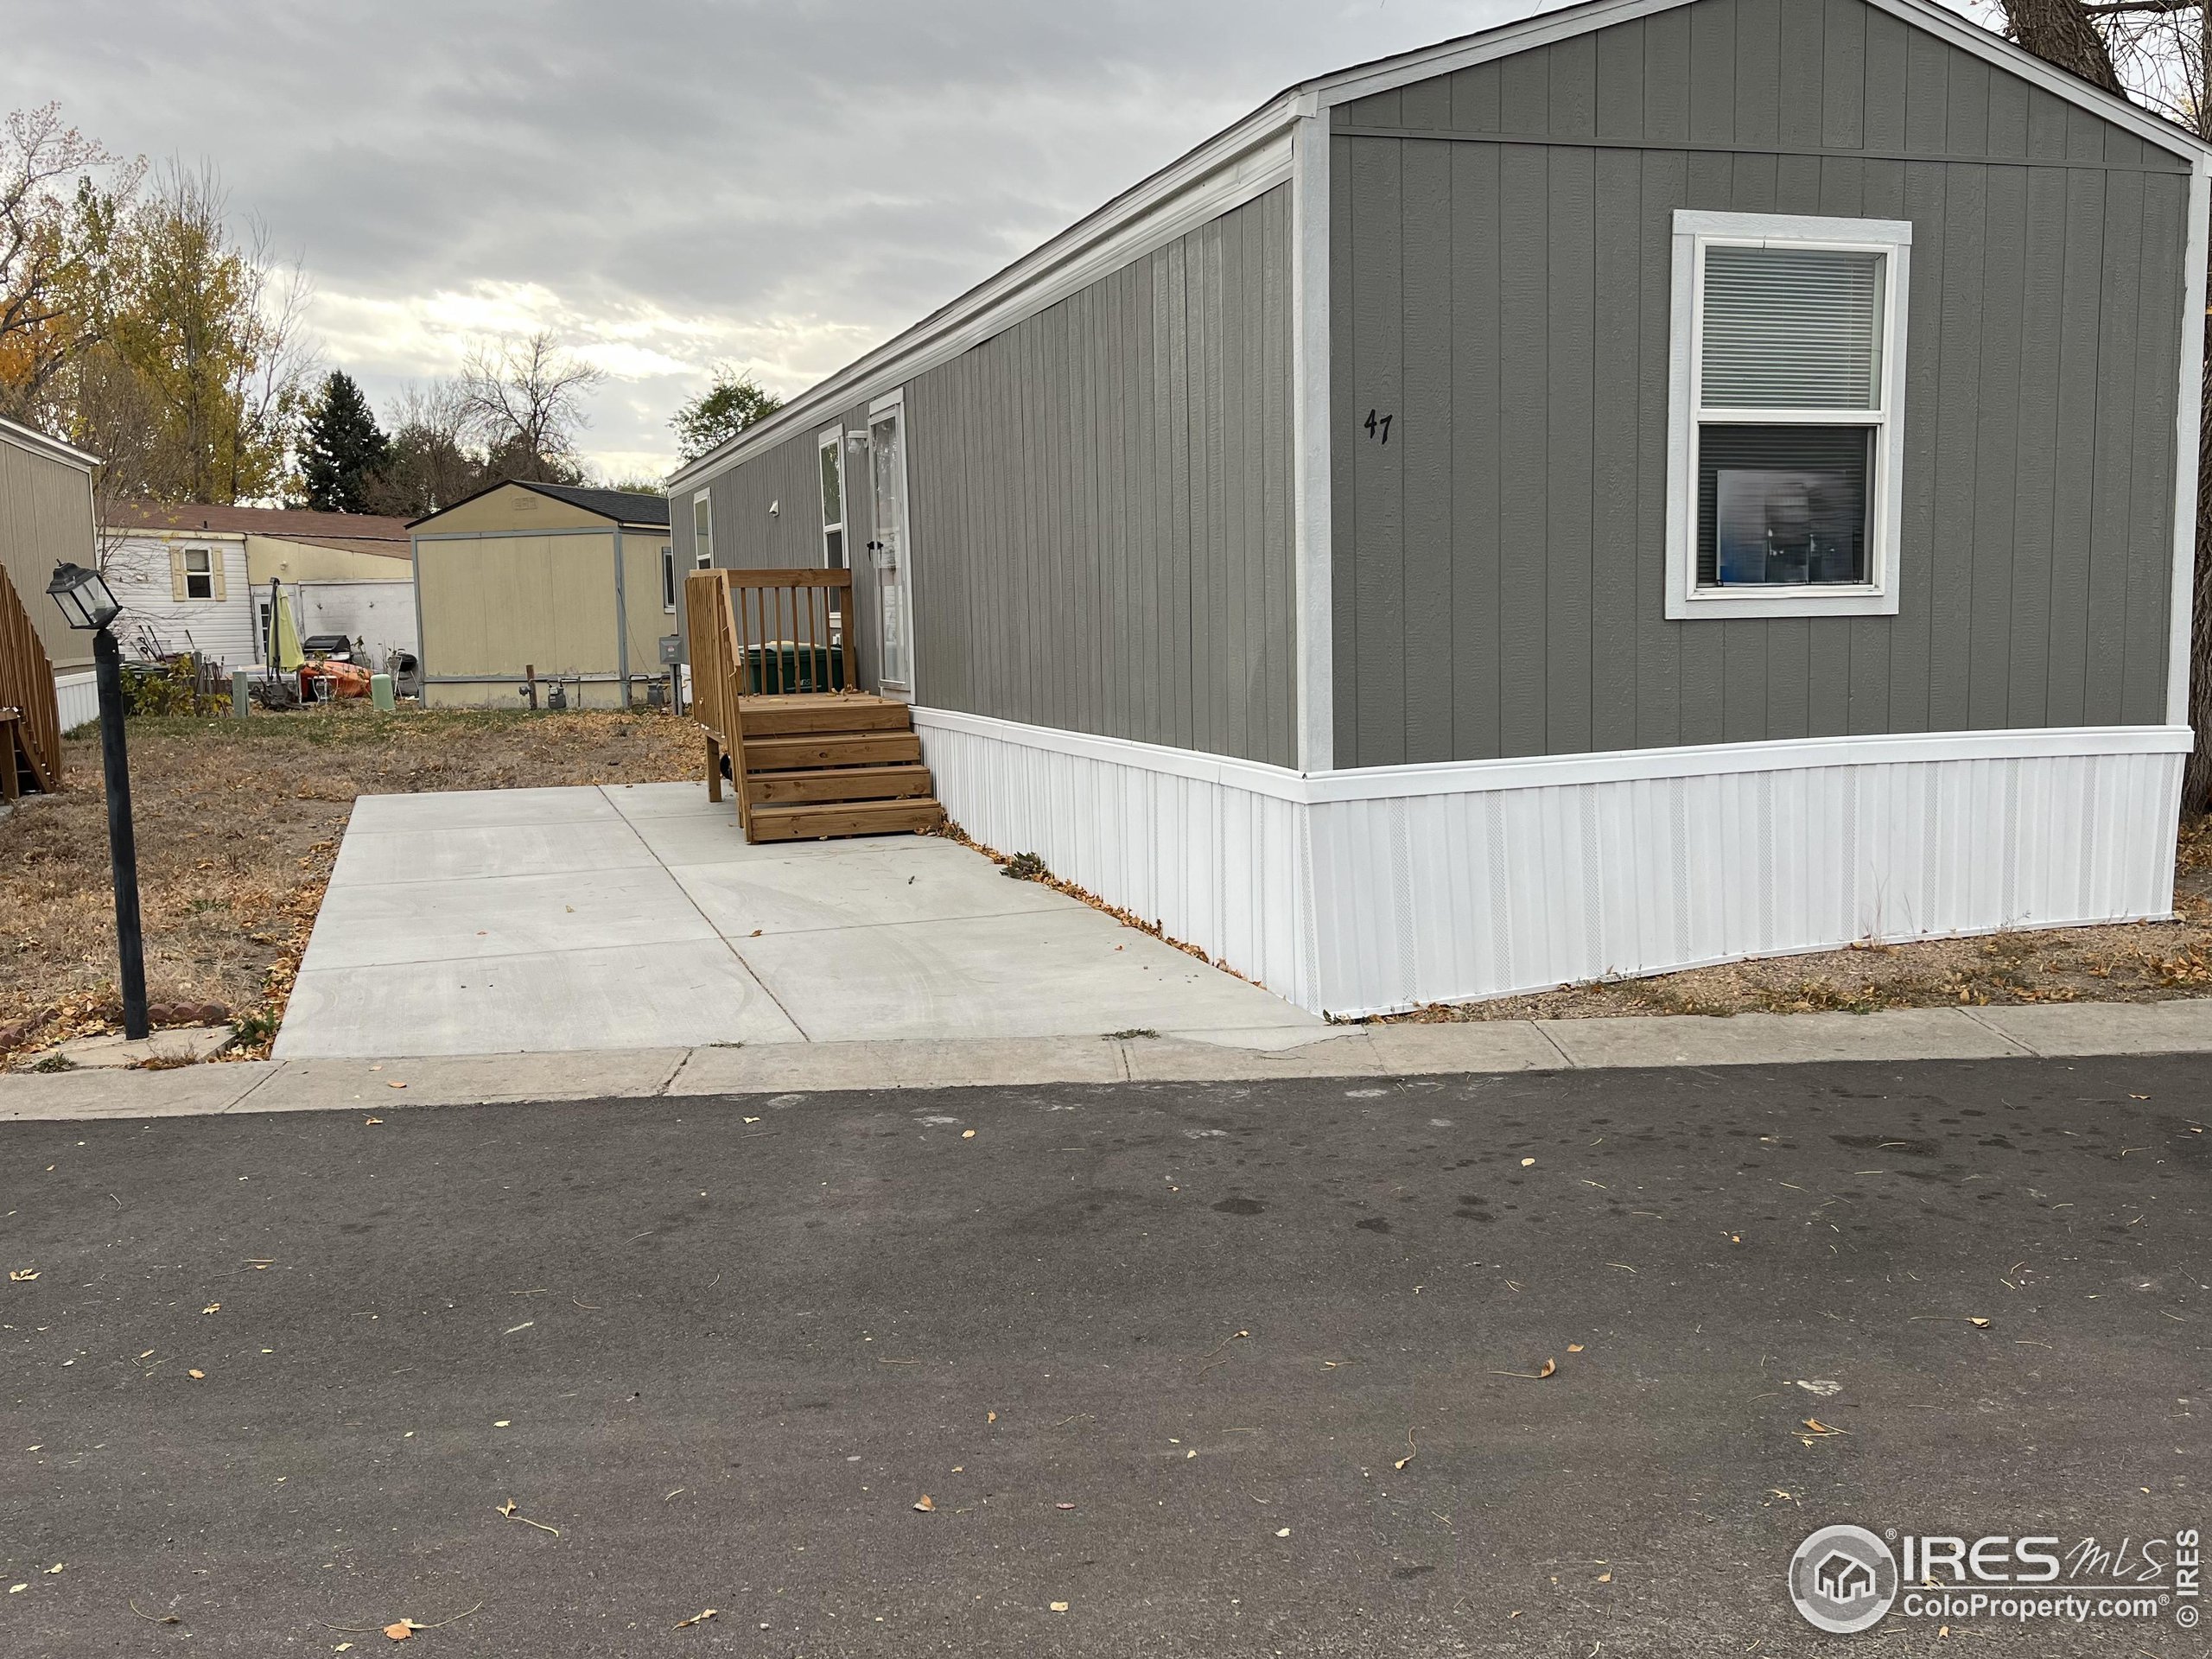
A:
{"x":1784,"y":430}
{"x":1792,"y":328}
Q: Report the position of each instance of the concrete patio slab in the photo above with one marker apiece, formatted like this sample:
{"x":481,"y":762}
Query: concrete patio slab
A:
{"x":478,"y":808}
{"x":457,"y":854}
{"x":671,"y":996}
{"x":639,"y":917}
{"x":1059,"y":971}
{"x":371,"y":925}
{"x":2084,"y":1028}
{"x":637,"y":802}
{"x":897,"y":883}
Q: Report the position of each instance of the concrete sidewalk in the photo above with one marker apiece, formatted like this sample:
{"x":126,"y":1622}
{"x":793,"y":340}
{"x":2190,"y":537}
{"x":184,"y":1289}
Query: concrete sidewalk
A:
{"x":2053,"y":1031}
{"x":626,"y":917}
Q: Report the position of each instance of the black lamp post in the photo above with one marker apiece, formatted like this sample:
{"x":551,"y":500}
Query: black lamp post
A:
{"x":84,"y":600}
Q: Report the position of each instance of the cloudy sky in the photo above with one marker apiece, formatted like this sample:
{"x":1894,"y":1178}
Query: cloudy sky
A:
{"x":670,"y":183}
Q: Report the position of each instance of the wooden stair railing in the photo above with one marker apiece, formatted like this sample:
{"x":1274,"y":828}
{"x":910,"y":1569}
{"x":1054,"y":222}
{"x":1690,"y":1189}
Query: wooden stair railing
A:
{"x":774,"y":686}
{"x":31,"y":720}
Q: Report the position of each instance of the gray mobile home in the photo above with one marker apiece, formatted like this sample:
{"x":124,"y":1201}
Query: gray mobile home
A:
{"x":1659,"y":482}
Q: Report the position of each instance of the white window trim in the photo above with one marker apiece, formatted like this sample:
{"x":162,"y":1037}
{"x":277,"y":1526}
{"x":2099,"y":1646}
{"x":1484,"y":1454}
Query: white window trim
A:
{"x":1693,"y":233}
{"x":668,"y":582}
{"x":702,"y":558}
{"x":832,"y":438}
{"x":206,"y":576}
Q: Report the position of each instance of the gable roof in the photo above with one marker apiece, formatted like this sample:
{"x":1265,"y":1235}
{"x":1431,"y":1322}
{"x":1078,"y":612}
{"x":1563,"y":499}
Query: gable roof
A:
{"x":629,"y":507}
{"x":1256,"y":153}
{"x":355,"y":532}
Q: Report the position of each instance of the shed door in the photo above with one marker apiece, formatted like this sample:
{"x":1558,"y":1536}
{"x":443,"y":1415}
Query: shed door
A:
{"x":888,"y":553}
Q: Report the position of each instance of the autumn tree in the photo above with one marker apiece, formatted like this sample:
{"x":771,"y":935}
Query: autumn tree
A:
{"x":57,"y":225}
{"x":734,"y":402}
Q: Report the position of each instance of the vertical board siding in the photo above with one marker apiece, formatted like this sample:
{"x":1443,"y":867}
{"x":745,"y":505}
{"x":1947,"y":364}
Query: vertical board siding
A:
{"x":1098,"y":501}
{"x":1504,"y":293}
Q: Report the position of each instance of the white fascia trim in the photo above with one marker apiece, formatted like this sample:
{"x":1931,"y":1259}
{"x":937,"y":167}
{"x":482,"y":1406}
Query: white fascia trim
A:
{"x":1313,"y":624}
{"x":1350,"y":85}
{"x":2187,"y":437}
{"x":1692,"y":231}
{"x":1228,"y":170}
{"x":1552,"y":771}
{"x":26,"y":437}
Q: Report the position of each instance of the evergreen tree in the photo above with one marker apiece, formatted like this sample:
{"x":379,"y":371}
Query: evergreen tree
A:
{"x":341,"y":446}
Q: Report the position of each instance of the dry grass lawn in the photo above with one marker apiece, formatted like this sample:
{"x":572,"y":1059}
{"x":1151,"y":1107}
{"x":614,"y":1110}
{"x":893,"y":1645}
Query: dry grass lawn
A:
{"x":238,"y":823}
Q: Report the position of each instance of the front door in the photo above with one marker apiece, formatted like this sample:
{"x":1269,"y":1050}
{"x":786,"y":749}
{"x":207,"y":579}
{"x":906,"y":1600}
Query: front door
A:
{"x":887,"y":552}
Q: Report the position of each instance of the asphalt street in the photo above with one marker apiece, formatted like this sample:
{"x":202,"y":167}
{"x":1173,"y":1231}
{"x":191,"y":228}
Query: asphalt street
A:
{"x":1448,"y":1366}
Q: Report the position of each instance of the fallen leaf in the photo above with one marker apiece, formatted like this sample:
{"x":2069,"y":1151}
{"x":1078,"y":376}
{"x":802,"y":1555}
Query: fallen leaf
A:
{"x":195,"y":1374}
{"x":1527,"y":1163}
{"x":507,"y":1508}
{"x":56,"y":1568}
{"x":1979,"y":1324}
{"x":925,"y":1504}
{"x":502,"y":1423}
{"x":1814,"y":1425}
{"x":752,"y":1120}
{"x":399,"y":1632}
{"x":991,"y":1416}
{"x":1061,"y":1606}
{"x":1605,"y":1578}
{"x":17,"y":1589}
{"x":1820,"y":1385}
{"x":1573,"y":1347}
{"x":967,"y":1135}
{"x":1548,"y":1368}
{"x":1282,"y":1532}
{"x":1410,"y":1449}
{"x":368,"y":1123}
{"x":699,"y":1617}
{"x":343,"y":1647}
{"x":395,"y":1085}
{"x":22,"y":1275}
{"x":213,"y":1307}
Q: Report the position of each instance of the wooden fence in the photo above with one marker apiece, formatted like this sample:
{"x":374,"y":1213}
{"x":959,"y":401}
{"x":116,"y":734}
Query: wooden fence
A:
{"x":30,"y":725}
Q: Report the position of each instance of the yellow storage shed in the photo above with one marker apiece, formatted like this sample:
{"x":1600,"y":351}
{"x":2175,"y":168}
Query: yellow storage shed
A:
{"x":552,"y":582}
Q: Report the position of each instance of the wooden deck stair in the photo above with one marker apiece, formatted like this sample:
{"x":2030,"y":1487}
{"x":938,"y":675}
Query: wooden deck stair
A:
{"x":817,"y":766}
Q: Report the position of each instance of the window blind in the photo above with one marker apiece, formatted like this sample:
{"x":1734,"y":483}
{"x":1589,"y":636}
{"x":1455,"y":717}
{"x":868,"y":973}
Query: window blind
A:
{"x":1792,"y":328}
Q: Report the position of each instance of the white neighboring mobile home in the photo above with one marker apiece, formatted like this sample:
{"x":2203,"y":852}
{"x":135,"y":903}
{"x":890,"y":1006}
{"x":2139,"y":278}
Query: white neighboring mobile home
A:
{"x":197,"y":578}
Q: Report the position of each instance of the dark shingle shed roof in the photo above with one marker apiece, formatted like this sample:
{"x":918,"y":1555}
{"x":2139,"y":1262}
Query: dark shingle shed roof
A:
{"x":623,"y":506}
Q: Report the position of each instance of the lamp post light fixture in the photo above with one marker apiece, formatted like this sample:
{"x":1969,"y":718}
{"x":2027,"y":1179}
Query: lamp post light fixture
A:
{"x":85,"y":599}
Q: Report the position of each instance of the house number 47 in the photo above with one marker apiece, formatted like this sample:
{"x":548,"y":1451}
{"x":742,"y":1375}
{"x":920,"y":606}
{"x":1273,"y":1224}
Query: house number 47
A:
{"x":1378,"y":427}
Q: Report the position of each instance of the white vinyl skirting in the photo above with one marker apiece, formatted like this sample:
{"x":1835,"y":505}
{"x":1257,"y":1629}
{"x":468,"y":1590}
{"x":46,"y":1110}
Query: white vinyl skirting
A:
{"x":1384,"y":888}
{"x":77,"y":696}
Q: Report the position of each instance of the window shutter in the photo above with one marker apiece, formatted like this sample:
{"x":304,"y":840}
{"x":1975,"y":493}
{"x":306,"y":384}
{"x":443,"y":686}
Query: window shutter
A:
{"x":215,"y":573}
{"x":1792,"y":328}
{"x":177,"y":574}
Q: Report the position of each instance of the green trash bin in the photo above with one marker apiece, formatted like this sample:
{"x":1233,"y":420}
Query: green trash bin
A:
{"x":789,"y":666}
